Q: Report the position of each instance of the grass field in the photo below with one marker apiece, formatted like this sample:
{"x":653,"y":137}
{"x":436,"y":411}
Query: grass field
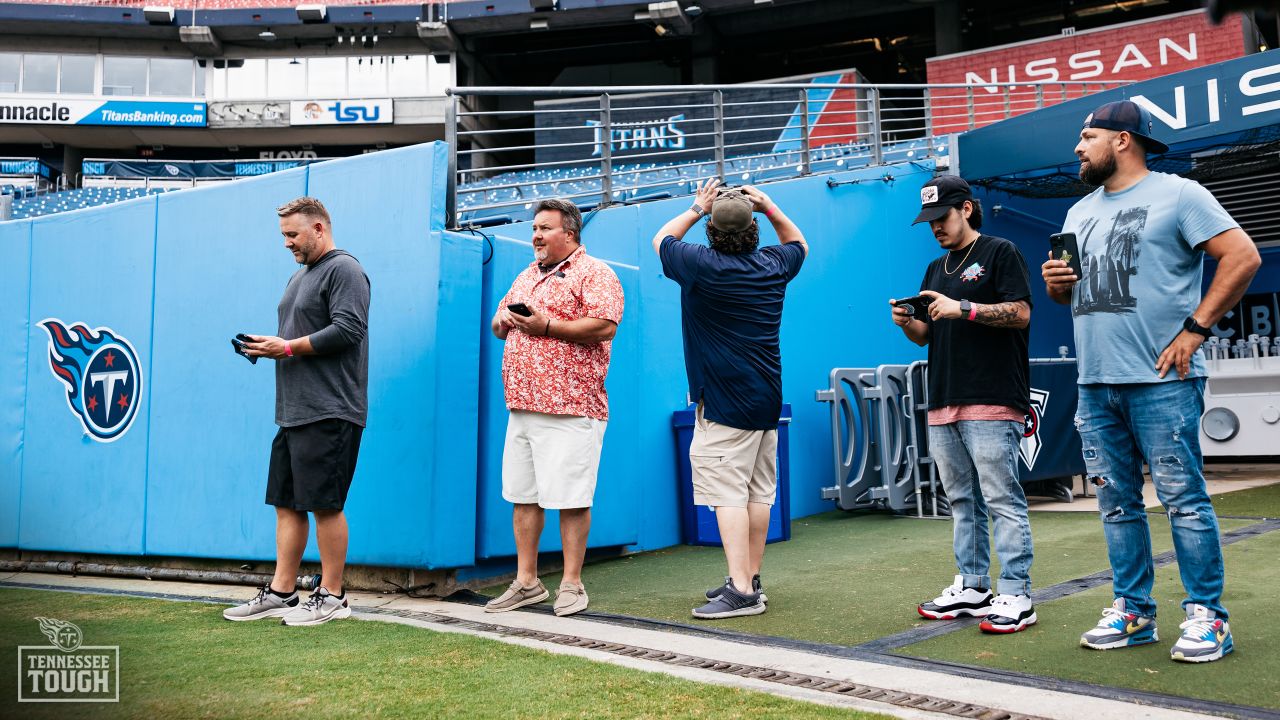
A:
{"x":842,"y":579}
{"x":1255,"y":502}
{"x":1246,"y":677}
{"x":182,"y":660}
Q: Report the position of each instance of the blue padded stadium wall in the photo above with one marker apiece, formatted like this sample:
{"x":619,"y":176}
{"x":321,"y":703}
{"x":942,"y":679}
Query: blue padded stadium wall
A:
{"x":180,"y":273}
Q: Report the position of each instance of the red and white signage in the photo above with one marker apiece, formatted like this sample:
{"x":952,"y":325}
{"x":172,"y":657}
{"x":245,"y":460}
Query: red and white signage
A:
{"x":1106,"y":56}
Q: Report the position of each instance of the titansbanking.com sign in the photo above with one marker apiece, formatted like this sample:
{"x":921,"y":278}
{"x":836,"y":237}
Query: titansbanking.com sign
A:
{"x":67,"y":670}
{"x":32,"y":110}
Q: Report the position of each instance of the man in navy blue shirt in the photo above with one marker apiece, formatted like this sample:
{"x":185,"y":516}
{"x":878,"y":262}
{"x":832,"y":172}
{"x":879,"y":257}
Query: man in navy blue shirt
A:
{"x":731,"y":297}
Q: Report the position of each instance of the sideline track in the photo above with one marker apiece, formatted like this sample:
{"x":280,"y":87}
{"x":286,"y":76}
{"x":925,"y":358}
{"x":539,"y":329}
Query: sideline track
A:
{"x":852,"y":677}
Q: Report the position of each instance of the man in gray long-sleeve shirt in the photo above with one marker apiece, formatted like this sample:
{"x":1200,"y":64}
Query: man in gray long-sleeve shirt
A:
{"x":322,"y":389}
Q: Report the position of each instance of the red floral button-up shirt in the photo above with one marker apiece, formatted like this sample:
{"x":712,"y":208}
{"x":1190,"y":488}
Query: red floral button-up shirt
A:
{"x":553,"y":376}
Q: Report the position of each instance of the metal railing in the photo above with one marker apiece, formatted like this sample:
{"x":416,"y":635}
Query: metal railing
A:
{"x":510,"y":146}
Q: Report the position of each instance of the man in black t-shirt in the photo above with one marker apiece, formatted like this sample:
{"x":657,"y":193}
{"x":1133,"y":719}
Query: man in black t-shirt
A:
{"x":979,"y":310}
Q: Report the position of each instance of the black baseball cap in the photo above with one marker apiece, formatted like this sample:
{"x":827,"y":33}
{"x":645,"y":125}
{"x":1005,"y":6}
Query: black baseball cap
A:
{"x":1127,"y":116}
{"x":940,"y":195}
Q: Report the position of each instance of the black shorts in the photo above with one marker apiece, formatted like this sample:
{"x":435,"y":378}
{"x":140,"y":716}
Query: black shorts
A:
{"x":312,"y":465}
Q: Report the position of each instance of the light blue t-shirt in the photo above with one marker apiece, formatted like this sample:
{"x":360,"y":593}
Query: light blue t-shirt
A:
{"x":1141,"y":273}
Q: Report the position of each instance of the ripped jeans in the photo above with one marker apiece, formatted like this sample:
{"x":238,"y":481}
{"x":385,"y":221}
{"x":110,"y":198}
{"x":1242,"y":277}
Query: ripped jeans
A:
{"x":1120,"y":426}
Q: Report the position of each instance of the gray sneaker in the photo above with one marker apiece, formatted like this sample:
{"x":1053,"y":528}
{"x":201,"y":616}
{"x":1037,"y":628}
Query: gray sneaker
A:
{"x":517,"y":596}
{"x":319,"y":609}
{"x":714,"y":593}
{"x":263,"y":605}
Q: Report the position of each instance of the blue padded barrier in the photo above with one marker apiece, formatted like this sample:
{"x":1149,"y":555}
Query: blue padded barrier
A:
{"x":79,"y":494}
{"x":15,"y":274}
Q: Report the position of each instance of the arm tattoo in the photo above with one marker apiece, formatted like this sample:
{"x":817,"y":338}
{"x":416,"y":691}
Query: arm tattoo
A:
{"x":1003,"y":315}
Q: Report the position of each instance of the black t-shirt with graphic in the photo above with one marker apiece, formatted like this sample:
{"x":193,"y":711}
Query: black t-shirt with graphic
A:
{"x":971,"y":363}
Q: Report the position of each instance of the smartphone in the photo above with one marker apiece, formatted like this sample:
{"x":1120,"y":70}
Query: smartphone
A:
{"x":520,"y":309}
{"x":917,"y":304}
{"x":238,"y":344}
{"x":1064,"y":248}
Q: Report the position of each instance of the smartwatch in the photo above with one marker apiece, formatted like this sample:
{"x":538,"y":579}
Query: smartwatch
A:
{"x":1190,"y":325}
{"x":966,"y":309}
{"x":697,"y":210}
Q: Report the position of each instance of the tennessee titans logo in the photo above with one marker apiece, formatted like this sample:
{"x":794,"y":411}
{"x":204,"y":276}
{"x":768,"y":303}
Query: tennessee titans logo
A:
{"x":1030,"y":446}
{"x":101,"y":373}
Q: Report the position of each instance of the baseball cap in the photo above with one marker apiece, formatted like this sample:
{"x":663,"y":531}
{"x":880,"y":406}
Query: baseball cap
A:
{"x":940,"y":195}
{"x":731,"y":211}
{"x":1130,"y":117}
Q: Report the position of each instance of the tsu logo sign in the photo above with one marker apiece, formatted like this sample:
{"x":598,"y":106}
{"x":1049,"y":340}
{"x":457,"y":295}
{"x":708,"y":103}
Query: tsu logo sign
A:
{"x":1030,"y":446}
{"x":102,"y":375}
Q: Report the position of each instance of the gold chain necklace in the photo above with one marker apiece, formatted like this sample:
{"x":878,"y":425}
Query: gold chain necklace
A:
{"x":962,"y":262}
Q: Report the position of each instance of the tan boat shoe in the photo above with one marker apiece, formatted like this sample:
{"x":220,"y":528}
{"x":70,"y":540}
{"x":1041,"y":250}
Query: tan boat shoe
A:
{"x":517,"y":596}
{"x":572,"y":598}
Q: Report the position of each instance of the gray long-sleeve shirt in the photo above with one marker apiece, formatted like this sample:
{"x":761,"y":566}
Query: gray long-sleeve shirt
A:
{"x":330,"y":302}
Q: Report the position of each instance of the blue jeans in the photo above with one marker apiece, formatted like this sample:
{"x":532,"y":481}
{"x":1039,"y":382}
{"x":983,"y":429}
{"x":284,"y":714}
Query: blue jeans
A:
{"x":1120,"y":426}
{"x":978,"y":464}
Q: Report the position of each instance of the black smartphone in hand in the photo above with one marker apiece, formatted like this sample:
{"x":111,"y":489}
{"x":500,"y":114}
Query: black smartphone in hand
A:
{"x":1063,"y":247}
{"x":520,"y":309}
{"x":917,"y":304}
{"x":238,"y":344}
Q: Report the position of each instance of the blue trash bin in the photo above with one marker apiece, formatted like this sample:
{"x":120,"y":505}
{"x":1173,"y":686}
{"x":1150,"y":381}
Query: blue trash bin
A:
{"x":697,"y":522}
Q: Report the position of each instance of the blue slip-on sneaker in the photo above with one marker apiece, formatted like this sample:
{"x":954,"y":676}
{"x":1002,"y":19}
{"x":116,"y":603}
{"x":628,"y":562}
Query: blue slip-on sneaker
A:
{"x":756,"y":585}
{"x":730,"y":603}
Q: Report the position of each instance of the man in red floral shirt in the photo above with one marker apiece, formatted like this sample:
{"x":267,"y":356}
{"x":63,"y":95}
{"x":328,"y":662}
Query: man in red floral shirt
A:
{"x":567,"y":309}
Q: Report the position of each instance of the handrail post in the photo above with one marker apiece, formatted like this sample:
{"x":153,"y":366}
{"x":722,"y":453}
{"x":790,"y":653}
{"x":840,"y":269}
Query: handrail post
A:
{"x":804,"y":132}
{"x":1039,"y":96}
{"x":1008,"y":107}
{"x":877,"y":148}
{"x":451,"y":184}
{"x":606,"y":151}
{"x":928,"y":115}
{"x":718,"y":128}
{"x":969,"y":95}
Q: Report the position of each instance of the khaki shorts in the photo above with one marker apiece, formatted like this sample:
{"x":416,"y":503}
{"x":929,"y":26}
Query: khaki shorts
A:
{"x":732,"y":467}
{"x":551,"y":460}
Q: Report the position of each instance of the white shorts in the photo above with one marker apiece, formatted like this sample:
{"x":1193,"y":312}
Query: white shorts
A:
{"x":551,"y":460}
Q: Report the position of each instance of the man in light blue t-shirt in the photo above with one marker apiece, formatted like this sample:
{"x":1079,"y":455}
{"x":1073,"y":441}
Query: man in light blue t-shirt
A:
{"x":1139,"y":322}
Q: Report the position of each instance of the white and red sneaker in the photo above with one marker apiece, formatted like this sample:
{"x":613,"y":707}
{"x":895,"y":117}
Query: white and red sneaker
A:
{"x":957,"y":601}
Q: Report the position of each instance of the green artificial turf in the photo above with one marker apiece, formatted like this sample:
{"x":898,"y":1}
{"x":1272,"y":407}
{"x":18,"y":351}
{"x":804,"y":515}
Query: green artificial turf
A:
{"x":1050,"y":648}
{"x":1254,"y":502}
{"x":842,"y":578}
{"x":182,"y":660}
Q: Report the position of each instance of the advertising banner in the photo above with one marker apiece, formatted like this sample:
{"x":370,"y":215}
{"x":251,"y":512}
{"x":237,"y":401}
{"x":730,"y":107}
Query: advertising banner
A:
{"x":341,"y":112}
{"x":54,"y":110}
{"x":1138,"y":50}
{"x":681,"y":127}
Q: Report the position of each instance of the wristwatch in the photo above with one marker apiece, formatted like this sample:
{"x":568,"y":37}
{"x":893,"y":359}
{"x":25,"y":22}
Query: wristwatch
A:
{"x":965,"y":309}
{"x":1190,"y":325}
{"x":697,"y":210}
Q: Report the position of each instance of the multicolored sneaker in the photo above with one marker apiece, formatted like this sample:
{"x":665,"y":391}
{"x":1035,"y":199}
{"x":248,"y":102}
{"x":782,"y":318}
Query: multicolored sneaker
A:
{"x":957,"y":600}
{"x":1119,"y":628}
{"x":1205,"y":637}
{"x":1008,"y":614}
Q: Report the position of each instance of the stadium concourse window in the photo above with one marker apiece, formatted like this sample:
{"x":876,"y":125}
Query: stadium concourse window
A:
{"x":171,"y":77}
{"x":124,"y":76}
{"x":331,"y":77}
{"x":76,"y":74}
{"x":39,"y":73}
{"x":10,"y":71}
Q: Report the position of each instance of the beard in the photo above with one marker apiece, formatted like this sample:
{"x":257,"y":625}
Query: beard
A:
{"x":1096,"y":173}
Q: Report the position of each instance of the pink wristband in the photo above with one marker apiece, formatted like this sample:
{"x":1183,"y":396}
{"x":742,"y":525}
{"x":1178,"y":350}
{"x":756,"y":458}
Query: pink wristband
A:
{"x":973,"y":312}
{"x":288,"y":349}
{"x":769,"y":213}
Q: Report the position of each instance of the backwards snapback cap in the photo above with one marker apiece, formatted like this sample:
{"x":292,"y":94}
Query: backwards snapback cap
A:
{"x":731,"y":211}
{"x":1127,"y":116}
{"x":940,"y":195}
